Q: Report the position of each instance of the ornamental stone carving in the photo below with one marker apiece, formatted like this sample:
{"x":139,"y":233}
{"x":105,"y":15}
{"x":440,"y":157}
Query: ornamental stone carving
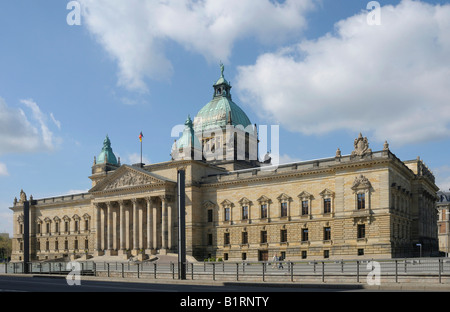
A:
{"x":361,"y":182}
{"x":361,"y":147}
{"x":23,"y":196}
{"x":127,"y":180}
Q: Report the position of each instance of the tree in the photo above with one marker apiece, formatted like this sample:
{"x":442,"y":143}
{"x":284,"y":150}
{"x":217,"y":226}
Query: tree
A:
{"x":5,"y":247}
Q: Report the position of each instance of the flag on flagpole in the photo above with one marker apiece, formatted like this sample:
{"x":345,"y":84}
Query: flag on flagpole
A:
{"x":140,"y":137}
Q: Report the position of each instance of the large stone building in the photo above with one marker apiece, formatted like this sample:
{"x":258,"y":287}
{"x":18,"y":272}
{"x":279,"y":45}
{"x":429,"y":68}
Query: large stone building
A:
{"x":366,"y":204}
{"x":443,"y":206}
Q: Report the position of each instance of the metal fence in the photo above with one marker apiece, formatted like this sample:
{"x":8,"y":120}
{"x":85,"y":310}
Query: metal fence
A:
{"x":433,"y":270}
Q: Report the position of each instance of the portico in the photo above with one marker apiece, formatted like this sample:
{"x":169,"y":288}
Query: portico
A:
{"x":135,"y":225}
{"x":134,"y":213}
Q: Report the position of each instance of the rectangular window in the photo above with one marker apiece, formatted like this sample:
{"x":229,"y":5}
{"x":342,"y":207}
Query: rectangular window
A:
{"x":327,"y":205}
{"x":263,"y":211}
{"x":361,"y":252}
{"x":86,"y":244}
{"x":210,"y":215}
{"x":244,"y":256}
{"x":66,"y":227}
{"x":56,"y":245}
{"x":305,"y":235}
{"x":305,"y":207}
{"x":283,"y":236}
{"x":304,"y":254}
{"x":326,"y":254}
{"x":327,"y":233}
{"x":57,"y":227}
{"x":263,"y":236}
{"x":210,"y":239}
{"x":76,"y":226}
{"x":361,"y":230}
{"x":48,"y":227}
{"x":244,"y":237}
{"x":39,"y":228}
{"x":284,"y":209}
{"x":226,"y":239}
{"x":86,"y":225}
{"x":227,"y":214}
{"x":361,"y":201}
{"x":245,"y":213}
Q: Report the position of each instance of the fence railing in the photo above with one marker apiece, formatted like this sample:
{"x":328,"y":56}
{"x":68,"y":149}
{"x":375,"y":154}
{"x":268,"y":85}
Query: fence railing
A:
{"x":434,"y":270}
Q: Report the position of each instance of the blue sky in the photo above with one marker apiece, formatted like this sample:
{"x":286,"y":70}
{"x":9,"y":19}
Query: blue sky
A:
{"x":315,"y":68}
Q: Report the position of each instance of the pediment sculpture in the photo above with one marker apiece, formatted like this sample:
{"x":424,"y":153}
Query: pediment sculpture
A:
{"x":361,"y":145}
{"x":361,"y":182}
{"x":128,"y":179}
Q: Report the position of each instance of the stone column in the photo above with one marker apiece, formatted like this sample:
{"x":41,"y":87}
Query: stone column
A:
{"x":98,"y":229}
{"x":122,"y":226}
{"x":104,"y":227}
{"x":109,"y":227}
{"x":135,"y":224}
{"x":164,"y":222}
{"x":155,"y":226}
{"x":149,"y":225}
{"x":169,"y":225}
{"x":141,"y":213}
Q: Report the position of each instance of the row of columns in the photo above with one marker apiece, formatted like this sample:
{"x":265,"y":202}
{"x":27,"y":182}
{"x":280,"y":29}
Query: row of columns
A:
{"x":135,"y":224}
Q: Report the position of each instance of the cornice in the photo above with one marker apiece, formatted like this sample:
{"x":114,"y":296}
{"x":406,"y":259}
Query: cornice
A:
{"x":332,"y":169}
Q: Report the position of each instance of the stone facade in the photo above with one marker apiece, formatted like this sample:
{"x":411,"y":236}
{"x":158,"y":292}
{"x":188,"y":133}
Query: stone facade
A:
{"x":368,"y":204}
{"x":443,"y":206}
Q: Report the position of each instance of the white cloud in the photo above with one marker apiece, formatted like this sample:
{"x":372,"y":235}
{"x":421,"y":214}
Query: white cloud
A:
{"x":47,"y":135}
{"x":442,"y":175}
{"x":56,"y":122}
{"x":391,"y":80}
{"x":287,"y":159}
{"x":20,"y":135}
{"x":3,"y":170}
{"x":135,"y":158}
{"x":135,"y":32}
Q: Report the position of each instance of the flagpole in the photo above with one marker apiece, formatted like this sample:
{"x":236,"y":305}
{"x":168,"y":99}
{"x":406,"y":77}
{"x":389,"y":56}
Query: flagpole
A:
{"x":140,"y":139}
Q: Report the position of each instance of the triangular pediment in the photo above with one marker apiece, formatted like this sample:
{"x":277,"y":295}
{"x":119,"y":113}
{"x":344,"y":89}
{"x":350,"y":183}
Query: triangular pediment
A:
{"x":128,"y":177}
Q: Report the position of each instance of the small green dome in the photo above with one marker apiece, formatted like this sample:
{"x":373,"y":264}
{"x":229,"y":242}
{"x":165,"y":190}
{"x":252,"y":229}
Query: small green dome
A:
{"x":188,"y":138}
{"x":107,"y":155}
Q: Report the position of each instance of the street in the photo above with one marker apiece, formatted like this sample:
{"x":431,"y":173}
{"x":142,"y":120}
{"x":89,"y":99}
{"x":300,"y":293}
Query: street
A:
{"x":59,"y":284}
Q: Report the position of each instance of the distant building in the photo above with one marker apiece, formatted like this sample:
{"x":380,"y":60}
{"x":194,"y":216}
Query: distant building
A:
{"x":368,"y":204}
{"x":443,"y":206}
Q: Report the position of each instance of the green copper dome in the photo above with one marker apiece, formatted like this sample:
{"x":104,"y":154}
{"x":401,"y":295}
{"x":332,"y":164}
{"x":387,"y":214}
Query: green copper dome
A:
{"x":221,"y":110}
{"x":188,"y":138}
{"x":107,"y":155}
